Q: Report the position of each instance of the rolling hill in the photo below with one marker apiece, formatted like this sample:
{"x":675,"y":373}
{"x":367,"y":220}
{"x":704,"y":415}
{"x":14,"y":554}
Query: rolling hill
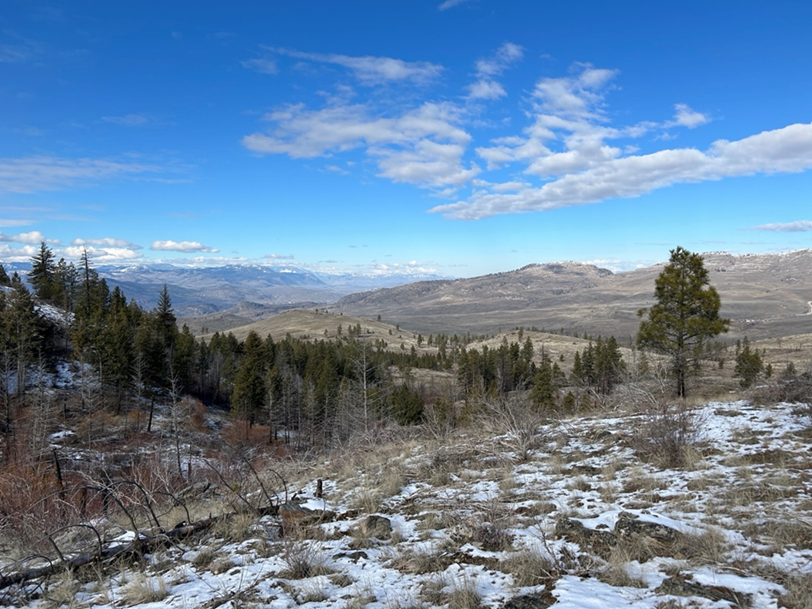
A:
{"x":765,"y":295}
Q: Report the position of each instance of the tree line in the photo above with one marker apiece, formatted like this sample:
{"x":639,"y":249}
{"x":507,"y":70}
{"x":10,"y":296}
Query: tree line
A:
{"x":320,"y":388}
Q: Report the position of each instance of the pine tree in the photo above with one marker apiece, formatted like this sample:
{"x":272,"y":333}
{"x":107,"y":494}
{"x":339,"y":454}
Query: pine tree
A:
{"x":748,"y":363}
{"x":249,"y":384}
{"x":116,"y":344}
{"x":42,"y":275}
{"x":685,"y":316}
{"x":167,"y":323}
{"x":544,"y":386}
{"x":23,"y":332}
{"x":5,"y":280}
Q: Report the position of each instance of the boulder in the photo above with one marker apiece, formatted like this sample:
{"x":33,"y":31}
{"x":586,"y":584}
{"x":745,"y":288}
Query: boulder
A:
{"x":379,"y":527}
{"x":628,"y":525}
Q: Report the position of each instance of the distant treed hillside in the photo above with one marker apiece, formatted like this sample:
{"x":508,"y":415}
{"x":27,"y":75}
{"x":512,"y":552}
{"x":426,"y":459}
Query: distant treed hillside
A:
{"x":764,"y":295}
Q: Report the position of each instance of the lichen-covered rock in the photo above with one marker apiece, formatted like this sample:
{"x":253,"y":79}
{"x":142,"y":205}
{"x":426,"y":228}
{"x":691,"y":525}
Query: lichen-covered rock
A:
{"x":628,"y":525}
{"x":598,"y":541}
{"x":681,"y":586}
{"x":530,"y":601}
{"x":379,"y":527}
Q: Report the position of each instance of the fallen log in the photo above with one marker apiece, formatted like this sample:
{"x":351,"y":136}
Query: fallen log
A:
{"x":140,"y":544}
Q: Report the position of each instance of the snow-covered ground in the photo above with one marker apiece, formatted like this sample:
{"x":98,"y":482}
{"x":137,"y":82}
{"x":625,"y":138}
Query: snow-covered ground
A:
{"x":473,"y":523}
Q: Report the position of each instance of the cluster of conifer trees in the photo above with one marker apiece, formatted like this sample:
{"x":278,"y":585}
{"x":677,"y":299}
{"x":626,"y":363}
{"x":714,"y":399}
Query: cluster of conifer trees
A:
{"x":324,"y":388}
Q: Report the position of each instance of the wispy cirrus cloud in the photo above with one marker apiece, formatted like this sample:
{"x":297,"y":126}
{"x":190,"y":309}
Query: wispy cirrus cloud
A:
{"x":262,"y":65}
{"x":184,"y":247}
{"x":11,"y":222}
{"x":107,"y":242}
{"x":135,"y":120}
{"x":19,"y":51}
{"x":444,"y":6}
{"x":279,"y":256}
{"x":371,"y":70}
{"x":38,"y":173}
{"x":798,"y":226}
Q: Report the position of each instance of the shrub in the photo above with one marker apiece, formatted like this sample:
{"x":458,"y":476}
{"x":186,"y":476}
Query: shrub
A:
{"x":664,"y":436}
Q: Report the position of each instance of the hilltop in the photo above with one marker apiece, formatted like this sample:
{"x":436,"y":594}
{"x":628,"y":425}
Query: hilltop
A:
{"x":765,"y":295}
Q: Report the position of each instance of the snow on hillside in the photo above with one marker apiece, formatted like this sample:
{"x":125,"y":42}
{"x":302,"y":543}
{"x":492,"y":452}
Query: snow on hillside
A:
{"x":563,"y":513}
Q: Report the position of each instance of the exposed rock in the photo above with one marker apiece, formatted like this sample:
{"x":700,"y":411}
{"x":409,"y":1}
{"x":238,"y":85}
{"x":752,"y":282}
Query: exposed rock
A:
{"x":661,"y":538}
{"x":379,"y":527}
{"x":294,"y":514}
{"x":627,"y":526}
{"x":530,"y":601}
{"x":599,"y":541}
{"x":680,"y":586}
{"x":462,"y":532}
{"x":353,"y":556}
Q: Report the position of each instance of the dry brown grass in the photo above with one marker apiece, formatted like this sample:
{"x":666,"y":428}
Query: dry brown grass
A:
{"x":303,"y":559}
{"x":528,"y":568}
{"x":142,"y":589}
{"x":61,"y":591}
{"x":239,"y":527}
{"x":463,"y":595}
{"x":707,"y":548}
{"x":419,"y":560}
{"x":619,"y":572}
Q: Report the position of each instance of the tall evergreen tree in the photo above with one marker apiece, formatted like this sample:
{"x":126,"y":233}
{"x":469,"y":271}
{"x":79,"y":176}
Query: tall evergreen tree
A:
{"x":543,"y":393}
{"x":23,"y":332}
{"x":5,"y":280}
{"x":167,"y":323}
{"x":685,"y":316}
{"x":249,"y":384}
{"x":42,"y":275}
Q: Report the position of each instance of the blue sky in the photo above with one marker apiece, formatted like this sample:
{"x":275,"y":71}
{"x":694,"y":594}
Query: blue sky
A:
{"x":457,"y":137}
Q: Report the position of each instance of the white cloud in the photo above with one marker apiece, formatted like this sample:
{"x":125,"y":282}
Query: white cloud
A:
{"x":786,"y":227}
{"x":579,"y":96}
{"x":261,"y":65}
{"x":428,"y":163}
{"x":279,"y":256}
{"x":502,"y":59}
{"x":9,"y":222}
{"x":370,"y":70}
{"x":107,"y":242}
{"x":486,"y":69}
{"x":17,"y":254}
{"x":620,"y":266}
{"x":33,"y":237}
{"x":686,"y":117}
{"x":780,"y":151}
{"x":423,"y":146}
{"x":450,"y":4}
{"x":486,"y":89}
{"x":181,"y":246}
{"x":103,"y":254}
{"x":32,"y":174}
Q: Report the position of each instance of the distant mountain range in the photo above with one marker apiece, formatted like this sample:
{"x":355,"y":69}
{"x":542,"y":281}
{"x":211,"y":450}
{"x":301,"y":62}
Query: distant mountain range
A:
{"x":765,"y":295}
{"x":259,"y":289}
